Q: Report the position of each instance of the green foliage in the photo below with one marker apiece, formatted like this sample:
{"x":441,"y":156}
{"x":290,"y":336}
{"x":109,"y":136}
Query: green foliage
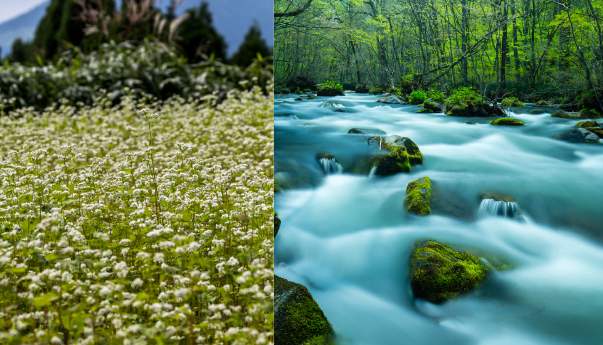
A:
{"x":465,"y":96}
{"x":298,"y":91}
{"x":436,"y":95}
{"x":128,"y":226}
{"x":282,"y":89}
{"x":307,"y":90}
{"x":152,"y":69}
{"x":375,"y":90}
{"x":361,"y":88}
{"x":330,"y":88}
{"x":252,"y":45}
{"x":417,"y":97}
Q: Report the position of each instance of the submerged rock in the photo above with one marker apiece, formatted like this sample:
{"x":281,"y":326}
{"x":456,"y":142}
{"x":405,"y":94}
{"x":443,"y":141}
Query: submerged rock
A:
{"x":367,"y":131}
{"x":497,"y":197}
{"x":331,"y":104}
{"x":341,"y":111}
{"x":536,"y":111}
{"x":418,"y":198}
{"x":578,"y":135}
{"x":396,"y":161}
{"x":425,"y":111}
{"x":439,"y":272}
{"x":277,"y":223}
{"x":391,"y":99}
{"x":507,"y":121}
{"x":297,"y":317}
{"x":565,"y":115}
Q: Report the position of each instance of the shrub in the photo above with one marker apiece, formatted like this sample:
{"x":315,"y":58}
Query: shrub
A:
{"x":436,"y":95}
{"x":417,"y":97}
{"x":375,"y":90}
{"x":465,"y":96}
{"x":307,"y":90}
{"x":298,"y":91}
{"x":128,"y":224}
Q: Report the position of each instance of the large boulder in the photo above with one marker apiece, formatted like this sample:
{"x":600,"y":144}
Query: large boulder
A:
{"x":298,"y":319}
{"x":432,"y":105}
{"x":597,"y":130}
{"x":507,"y":121}
{"x":391,"y":99}
{"x":418,"y":197}
{"x":393,"y":141}
{"x":578,"y":135}
{"x":586,"y":124}
{"x":467,"y":102}
{"x":438,"y":272}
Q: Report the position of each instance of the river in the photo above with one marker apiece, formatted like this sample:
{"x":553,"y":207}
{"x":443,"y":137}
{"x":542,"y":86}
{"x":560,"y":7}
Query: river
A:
{"x":347,"y":238}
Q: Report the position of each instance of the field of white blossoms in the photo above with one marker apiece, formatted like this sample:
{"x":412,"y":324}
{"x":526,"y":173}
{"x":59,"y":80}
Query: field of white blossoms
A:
{"x":148,"y":223}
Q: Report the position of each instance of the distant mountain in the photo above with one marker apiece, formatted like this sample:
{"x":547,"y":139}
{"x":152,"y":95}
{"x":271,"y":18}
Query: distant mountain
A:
{"x":232,"y":18}
{"x":23,"y":26}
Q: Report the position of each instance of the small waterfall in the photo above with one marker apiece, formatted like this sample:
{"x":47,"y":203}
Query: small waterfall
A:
{"x":491,"y":207}
{"x":372,"y":172}
{"x":330,"y":166}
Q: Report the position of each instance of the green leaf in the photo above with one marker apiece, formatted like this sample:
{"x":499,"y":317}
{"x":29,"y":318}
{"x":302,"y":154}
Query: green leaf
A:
{"x":45,"y":300}
{"x":142,"y":296}
{"x":186,"y":216}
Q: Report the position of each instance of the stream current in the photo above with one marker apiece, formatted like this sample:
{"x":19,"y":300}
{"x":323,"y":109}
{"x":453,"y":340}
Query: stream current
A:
{"x":347,"y":238}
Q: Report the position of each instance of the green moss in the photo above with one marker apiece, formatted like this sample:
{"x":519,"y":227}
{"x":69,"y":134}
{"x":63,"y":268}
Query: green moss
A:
{"x":425,"y":111}
{"x":597,"y":130}
{"x":414,"y":153}
{"x":536,"y":112}
{"x":507,"y":121}
{"x":297,"y":317}
{"x":277,"y":223}
{"x":321,"y":340}
{"x":590,"y":114}
{"x":512,"y":102}
{"x":430,"y":104}
{"x":544,"y":103}
{"x":439,"y":272}
{"x":586,"y":124}
{"x":418,"y":198}
{"x":330,"y":88}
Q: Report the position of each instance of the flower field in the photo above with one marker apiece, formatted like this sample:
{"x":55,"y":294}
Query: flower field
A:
{"x":148,"y":223}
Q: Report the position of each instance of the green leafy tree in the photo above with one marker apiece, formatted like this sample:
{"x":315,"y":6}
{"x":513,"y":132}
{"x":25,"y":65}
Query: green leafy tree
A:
{"x":252,"y":45}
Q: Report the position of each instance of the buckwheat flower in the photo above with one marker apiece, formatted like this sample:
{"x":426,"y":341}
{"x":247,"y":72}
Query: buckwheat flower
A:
{"x":158,"y":257}
{"x":137,"y":282}
{"x":56,"y":340}
{"x":211,"y":288}
{"x":232,"y":262}
{"x":143,"y":255}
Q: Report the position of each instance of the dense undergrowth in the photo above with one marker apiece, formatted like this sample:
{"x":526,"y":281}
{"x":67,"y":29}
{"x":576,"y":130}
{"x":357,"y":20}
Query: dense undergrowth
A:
{"x":152,"y":68}
{"x":129,"y":226}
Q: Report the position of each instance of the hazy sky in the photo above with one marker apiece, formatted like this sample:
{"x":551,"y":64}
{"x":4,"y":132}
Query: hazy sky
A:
{"x":12,"y":8}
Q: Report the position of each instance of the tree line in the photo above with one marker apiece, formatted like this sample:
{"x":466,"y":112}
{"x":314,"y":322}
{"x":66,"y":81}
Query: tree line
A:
{"x":88,"y":24}
{"x":530,"y":48}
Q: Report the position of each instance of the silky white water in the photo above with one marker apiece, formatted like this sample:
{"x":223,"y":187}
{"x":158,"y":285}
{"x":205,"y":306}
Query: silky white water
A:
{"x":346,"y":236}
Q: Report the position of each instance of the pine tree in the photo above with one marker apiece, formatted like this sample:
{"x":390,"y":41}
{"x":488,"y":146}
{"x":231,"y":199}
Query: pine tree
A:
{"x":198,"y":35}
{"x":251,"y":46}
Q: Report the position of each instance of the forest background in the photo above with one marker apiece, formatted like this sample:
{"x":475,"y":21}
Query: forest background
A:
{"x":531,"y":49}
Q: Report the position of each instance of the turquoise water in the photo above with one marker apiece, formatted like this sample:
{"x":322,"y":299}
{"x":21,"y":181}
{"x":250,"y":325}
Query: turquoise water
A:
{"x":347,"y":238}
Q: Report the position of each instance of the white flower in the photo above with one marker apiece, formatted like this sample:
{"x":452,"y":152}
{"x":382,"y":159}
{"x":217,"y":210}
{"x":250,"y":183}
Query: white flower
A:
{"x":137,"y":282}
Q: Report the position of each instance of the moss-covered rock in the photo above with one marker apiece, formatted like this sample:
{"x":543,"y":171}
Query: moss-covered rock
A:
{"x":512,"y":102}
{"x":497,"y":197}
{"x":432,"y":105}
{"x":564,"y":115}
{"x":414,"y":154}
{"x":544,"y":103}
{"x":586,"y":124}
{"x":507,"y":121}
{"x":590,"y":114}
{"x":425,"y":111}
{"x":439,"y":272}
{"x":396,"y":161}
{"x":299,"y":99}
{"x":418,"y":197}
{"x":536,"y":112}
{"x":391,"y":99}
{"x":277,"y":223}
{"x":298,"y":319}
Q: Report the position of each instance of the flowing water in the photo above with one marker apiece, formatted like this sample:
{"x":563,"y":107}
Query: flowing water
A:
{"x":347,"y":238}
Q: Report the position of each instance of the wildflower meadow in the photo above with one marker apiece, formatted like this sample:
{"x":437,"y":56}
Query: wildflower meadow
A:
{"x":146,"y":223}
